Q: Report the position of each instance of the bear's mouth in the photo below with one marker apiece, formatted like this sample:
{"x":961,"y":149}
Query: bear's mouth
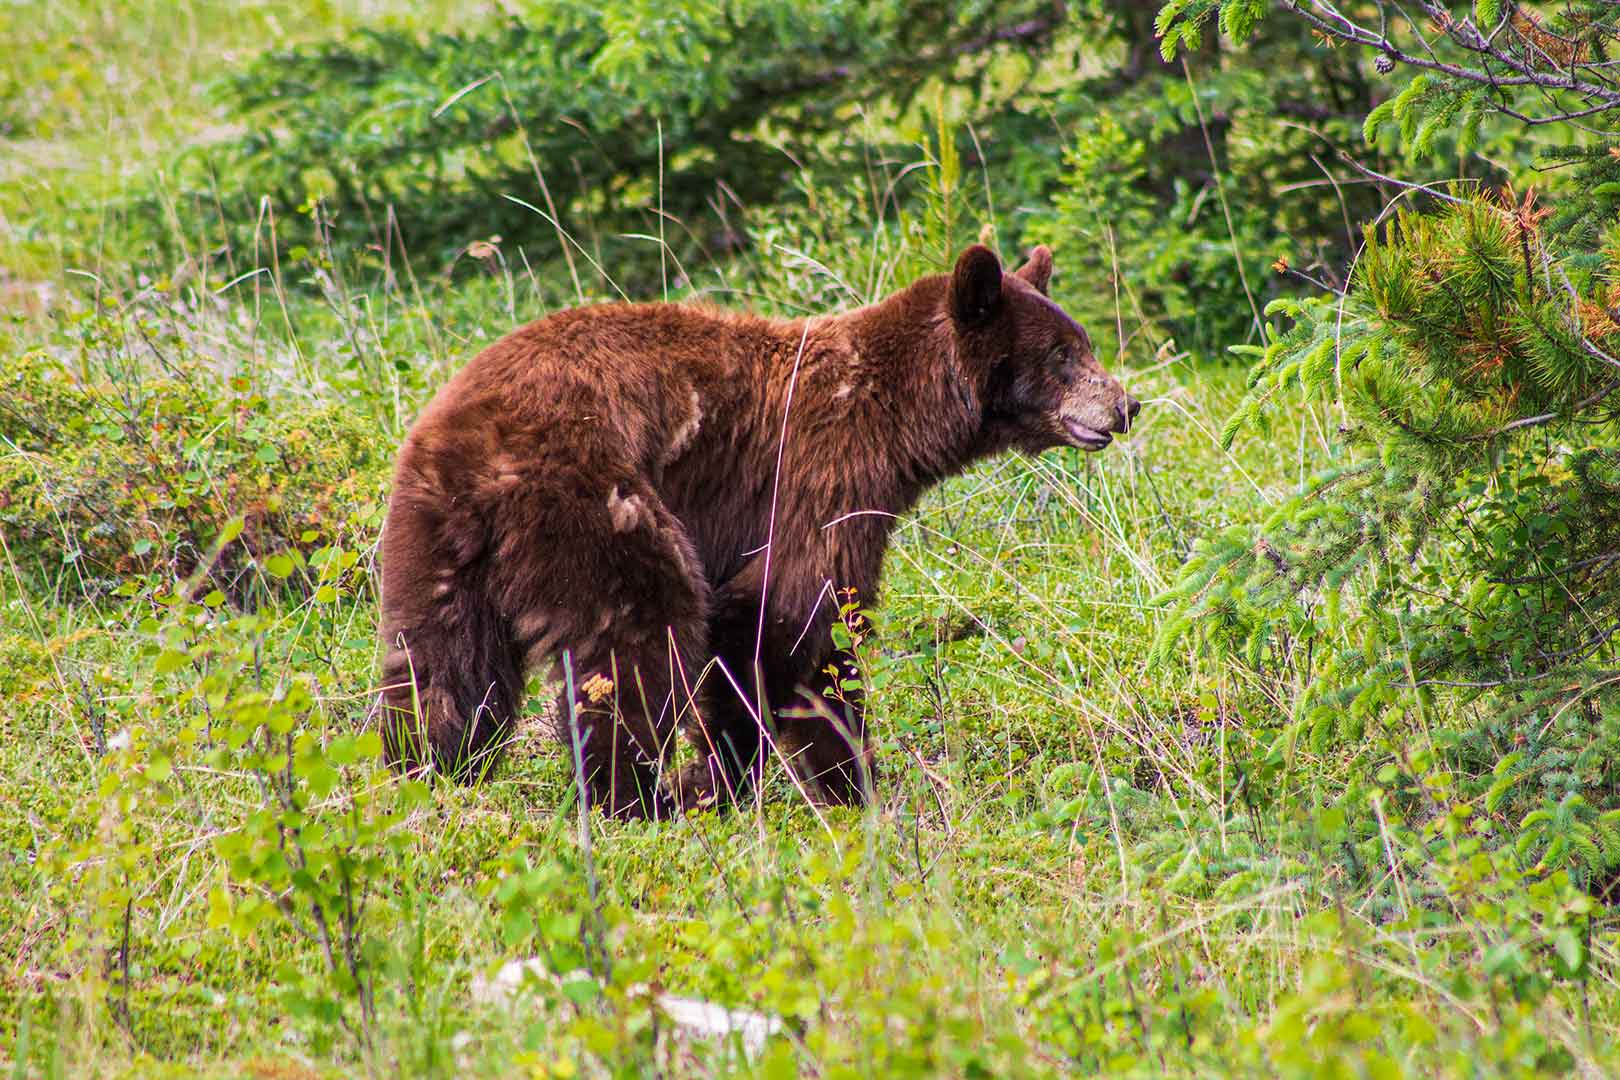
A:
{"x":1084,"y":437}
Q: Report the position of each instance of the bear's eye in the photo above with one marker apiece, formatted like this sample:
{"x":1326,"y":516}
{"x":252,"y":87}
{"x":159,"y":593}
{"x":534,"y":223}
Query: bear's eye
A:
{"x":1059,"y":360}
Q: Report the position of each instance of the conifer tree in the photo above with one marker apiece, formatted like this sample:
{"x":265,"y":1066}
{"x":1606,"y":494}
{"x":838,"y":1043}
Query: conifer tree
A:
{"x":1465,"y":549}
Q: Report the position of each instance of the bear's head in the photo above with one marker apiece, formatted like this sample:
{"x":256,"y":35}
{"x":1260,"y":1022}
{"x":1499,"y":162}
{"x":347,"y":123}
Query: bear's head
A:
{"x":1040,"y":384}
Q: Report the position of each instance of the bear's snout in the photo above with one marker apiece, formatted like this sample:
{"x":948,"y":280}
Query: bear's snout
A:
{"x":1094,"y":410}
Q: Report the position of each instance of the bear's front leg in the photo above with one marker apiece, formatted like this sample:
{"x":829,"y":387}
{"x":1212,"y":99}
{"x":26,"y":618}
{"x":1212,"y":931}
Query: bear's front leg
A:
{"x":824,"y":732}
{"x":776,"y":693}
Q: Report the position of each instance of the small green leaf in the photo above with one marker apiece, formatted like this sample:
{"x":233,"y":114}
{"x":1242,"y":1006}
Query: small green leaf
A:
{"x":171,"y":660}
{"x":1569,"y":947}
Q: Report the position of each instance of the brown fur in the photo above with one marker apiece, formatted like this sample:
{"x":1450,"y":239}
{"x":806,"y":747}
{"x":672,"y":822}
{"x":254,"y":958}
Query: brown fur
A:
{"x":605,"y":484}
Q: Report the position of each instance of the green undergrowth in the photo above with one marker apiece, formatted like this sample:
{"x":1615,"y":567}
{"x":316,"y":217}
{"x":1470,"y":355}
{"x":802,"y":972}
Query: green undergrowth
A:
{"x":1073,"y":865}
{"x":169,"y":467}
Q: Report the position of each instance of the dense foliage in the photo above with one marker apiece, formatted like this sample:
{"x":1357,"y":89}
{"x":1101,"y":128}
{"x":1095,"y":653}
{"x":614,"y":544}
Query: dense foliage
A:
{"x":140,"y":455}
{"x":668,"y":123}
{"x":695,"y":126}
{"x":1182,"y":183}
{"x":1464,"y":544}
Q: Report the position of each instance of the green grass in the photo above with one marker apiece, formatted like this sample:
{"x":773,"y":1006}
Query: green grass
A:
{"x":1076,"y":863}
{"x":98,"y":93}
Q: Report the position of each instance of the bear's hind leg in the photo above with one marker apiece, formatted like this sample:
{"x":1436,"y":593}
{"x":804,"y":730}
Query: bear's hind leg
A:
{"x":726,"y":736}
{"x":451,"y":677}
{"x":727,"y":732}
{"x":630,"y":694}
{"x":614,"y":587}
{"x":449,"y":694}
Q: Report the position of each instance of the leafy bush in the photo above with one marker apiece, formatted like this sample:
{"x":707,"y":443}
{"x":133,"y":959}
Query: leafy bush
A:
{"x":654,"y":142}
{"x":130,"y":451}
{"x":1168,"y":200}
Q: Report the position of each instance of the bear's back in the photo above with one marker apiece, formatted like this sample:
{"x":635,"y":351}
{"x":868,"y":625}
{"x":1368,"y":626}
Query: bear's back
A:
{"x":609,"y":387}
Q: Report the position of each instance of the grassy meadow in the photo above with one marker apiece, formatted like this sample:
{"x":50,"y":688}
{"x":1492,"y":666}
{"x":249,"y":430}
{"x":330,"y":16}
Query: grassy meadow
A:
{"x":1079,"y":862}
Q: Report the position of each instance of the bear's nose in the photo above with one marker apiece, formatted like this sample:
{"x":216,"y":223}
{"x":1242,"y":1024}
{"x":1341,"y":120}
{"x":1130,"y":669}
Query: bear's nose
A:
{"x":1126,"y":409}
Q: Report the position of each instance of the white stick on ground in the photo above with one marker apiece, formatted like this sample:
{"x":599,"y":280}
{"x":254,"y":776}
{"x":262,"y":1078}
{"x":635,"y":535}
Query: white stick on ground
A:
{"x":692,"y":1017}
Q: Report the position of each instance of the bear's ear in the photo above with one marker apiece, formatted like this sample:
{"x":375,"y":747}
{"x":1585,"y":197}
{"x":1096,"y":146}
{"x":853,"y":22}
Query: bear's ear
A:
{"x":975,"y":285}
{"x":1038,"y":271}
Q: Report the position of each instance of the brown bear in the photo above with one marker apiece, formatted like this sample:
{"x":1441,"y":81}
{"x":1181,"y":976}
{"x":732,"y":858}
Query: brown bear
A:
{"x":677,"y":498}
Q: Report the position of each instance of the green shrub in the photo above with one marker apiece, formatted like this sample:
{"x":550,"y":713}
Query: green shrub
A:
{"x":647,"y":128}
{"x":130,"y":450}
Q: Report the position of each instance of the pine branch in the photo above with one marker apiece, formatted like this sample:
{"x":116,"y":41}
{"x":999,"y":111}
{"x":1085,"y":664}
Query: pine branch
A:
{"x":1535,"y":421}
{"x":1330,"y":21}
